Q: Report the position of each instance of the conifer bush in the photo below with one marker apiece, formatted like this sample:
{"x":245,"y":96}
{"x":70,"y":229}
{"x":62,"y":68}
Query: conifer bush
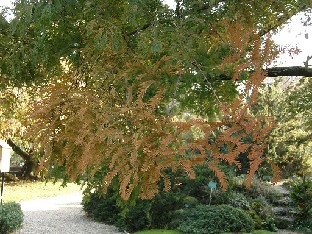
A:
{"x":11,"y":217}
{"x":205,"y":219}
{"x":301,"y":197}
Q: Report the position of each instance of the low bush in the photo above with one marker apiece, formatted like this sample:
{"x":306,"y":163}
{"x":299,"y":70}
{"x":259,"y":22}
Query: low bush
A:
{"x":11,"y":217}
{"x":259,"y":189}
{"x":262,"y":214}
{"x":138,"y":214}
{"x":301,"y":198}
{"x":205,"y":219}
{"x":102,"y":208}
{"x":239,"y":200}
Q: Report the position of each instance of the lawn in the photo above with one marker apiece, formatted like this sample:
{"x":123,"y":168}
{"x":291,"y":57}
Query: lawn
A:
{"x":158,"y":231}
{"x":19,"y":191}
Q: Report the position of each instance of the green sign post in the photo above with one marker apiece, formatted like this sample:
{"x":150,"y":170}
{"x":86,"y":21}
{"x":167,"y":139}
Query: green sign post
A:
{"x":212,"y":185}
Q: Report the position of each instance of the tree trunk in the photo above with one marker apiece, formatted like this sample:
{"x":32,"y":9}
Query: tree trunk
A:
{"x":29,"y":163}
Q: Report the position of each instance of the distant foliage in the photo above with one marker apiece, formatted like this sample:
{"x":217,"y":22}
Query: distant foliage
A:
{"x":11,"y":217}
{"x":290,"y":141}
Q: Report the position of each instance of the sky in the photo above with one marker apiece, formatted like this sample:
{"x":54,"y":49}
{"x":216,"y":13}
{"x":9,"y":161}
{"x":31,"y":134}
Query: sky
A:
{"x":293,"y":35}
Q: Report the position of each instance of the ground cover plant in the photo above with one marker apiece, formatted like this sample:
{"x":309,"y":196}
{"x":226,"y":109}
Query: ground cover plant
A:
{"x":213,"y":219}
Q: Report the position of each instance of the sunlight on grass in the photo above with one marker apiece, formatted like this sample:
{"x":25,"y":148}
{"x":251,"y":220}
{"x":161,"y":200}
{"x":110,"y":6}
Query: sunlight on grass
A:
{"x":31,"y":190}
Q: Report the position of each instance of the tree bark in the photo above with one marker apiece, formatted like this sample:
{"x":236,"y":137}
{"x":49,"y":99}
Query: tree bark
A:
{"x":29,"y":164}
{"x":289,"y":71}
{"x":277,"y":71}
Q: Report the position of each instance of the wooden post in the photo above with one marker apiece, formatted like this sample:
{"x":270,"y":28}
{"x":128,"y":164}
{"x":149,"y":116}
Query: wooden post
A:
{"x":2,"y":187}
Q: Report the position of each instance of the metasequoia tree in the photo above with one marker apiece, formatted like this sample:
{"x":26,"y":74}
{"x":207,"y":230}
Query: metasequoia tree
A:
{"x":114,"y":75}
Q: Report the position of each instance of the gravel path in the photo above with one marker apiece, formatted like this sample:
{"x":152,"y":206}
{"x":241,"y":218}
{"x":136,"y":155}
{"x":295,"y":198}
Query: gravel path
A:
{"x":60,"y":215}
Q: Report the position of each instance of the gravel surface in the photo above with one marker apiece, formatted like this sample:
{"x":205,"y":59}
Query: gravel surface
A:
{"x":60,"y":215}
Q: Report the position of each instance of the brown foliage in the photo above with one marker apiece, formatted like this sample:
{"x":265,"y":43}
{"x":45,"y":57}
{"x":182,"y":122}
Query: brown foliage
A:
{"x":85,"y":127}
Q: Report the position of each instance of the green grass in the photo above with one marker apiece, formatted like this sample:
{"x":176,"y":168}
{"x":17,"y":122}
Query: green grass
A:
{"x":157,"y":231}
{"x":263,"y":232}
{"x":19,"y":191}
{"x":255,"y":232}
{"x":162,"y":231}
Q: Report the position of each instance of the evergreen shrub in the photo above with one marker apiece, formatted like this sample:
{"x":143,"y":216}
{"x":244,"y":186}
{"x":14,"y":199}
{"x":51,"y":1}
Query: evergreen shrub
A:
{"x":262,"y":214}
{"x":205,"y":219}
{"x":11,"y":217}
{"x":138,"y":214}
{"x":301,"y":197}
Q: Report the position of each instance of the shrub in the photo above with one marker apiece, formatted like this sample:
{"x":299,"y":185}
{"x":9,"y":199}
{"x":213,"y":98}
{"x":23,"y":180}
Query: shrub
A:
{"x":205,"y":219}
{"x":301,"y":197}
{"x":165,"y":204}
{"x":262,"y":214}
{"x":239,"y":200}
{"x":102,"y":208}
{"x":11,"y":217}
{"x":259,"y":189}
{"x":135,"y":215}
{"x":219,"y":197}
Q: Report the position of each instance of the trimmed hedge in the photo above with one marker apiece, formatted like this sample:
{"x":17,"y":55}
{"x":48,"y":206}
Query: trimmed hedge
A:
{"x":11,"y":217}
{"x":205,"y":219}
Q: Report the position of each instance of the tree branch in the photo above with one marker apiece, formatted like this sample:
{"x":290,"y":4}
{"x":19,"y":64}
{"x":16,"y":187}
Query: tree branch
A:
{"x":147,"y":25}
{"x":143,"y":27}
{"x":289,"y":71}
{"x":280,"y":21}
{"x":18,"y":150}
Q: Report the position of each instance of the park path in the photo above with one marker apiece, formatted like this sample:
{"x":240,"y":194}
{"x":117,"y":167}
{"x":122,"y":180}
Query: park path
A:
{"x":62,"y":214}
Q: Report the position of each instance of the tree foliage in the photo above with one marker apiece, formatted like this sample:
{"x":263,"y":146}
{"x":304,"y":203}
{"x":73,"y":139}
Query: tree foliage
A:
{"x":288,"y":101}
{"x":112,"y":75}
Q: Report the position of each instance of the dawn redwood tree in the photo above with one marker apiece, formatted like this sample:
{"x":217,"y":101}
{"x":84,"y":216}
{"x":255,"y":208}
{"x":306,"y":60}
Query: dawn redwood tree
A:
{"x":114,"y":76}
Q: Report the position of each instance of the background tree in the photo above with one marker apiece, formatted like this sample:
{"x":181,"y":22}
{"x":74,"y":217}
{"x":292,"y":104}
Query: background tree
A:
{"x":289,"y":144}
